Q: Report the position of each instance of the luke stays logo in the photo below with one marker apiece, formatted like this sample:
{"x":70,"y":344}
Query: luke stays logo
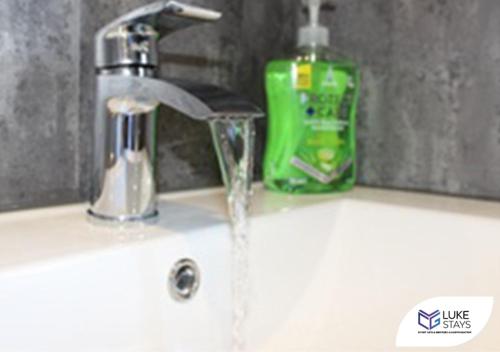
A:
{"x":457,"y":321}
{"x":429,"y":321}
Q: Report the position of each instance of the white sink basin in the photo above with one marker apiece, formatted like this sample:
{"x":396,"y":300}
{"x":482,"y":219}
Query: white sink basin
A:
{"x":327,"y":273}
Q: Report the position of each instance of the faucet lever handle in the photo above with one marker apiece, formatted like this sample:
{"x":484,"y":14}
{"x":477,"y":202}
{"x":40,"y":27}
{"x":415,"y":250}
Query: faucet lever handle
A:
{"x":169,"y":16}
{"x":132,"y":38}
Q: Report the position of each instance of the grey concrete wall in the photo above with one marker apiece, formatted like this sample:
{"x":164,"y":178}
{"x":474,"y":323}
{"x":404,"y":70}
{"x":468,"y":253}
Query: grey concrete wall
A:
{"x":430,"y":114}
{"x":429,"y":117}
{"x":39,"y":83}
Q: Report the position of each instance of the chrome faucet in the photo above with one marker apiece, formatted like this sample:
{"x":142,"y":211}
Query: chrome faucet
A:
{"x":128,"y":96}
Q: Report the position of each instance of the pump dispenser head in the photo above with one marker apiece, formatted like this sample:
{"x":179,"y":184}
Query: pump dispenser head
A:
{"x":313,"y":34}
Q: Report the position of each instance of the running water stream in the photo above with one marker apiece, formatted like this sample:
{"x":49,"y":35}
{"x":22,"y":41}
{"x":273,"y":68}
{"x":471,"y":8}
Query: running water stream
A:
{"x":234,"y":142}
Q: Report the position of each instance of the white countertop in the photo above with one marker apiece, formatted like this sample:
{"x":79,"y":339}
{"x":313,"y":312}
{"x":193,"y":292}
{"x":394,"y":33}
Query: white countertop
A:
{"x":49,"y":233}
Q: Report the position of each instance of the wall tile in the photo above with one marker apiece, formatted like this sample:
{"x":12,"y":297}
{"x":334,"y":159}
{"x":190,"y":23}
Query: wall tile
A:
{"x":429,"y":117}
{"x":38,"y":102}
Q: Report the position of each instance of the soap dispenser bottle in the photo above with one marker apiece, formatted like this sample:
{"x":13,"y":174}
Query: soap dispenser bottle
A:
{"x":312,"y":99}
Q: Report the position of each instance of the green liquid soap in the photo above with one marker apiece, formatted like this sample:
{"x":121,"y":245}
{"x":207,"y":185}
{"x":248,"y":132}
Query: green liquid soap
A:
{"x":312,"y":100}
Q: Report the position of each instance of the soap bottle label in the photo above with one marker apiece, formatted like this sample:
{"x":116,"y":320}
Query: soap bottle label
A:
{"x":320,"y":153}
{"x":311,"y":126}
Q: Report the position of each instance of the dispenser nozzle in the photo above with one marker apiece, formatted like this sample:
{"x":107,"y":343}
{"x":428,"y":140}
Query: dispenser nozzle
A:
{"x":313,"y":7}
{"x":313,"y":33}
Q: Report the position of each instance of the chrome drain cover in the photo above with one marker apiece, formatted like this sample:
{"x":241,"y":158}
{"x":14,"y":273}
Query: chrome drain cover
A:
{"x":184,"y":280}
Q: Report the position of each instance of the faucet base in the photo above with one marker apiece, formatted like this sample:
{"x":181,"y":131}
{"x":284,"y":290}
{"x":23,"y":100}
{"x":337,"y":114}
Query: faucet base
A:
{"x":147,"y":218}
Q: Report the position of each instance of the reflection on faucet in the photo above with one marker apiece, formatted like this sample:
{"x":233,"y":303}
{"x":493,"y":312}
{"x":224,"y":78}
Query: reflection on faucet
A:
{"x":128,"y":96}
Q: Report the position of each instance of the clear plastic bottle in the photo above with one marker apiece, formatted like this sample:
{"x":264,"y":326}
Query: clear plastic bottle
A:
{"x":312,"y":100}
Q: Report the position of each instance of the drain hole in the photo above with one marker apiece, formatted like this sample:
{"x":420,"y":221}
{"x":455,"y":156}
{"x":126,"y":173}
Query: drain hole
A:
{"x":184,"y":280}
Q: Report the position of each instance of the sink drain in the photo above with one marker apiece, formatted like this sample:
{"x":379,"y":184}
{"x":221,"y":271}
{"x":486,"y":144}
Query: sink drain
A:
{"x":184,"y":280}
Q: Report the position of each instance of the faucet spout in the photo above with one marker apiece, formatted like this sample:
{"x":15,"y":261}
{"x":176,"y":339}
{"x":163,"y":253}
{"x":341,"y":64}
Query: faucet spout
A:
{"x":195,"y":100}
